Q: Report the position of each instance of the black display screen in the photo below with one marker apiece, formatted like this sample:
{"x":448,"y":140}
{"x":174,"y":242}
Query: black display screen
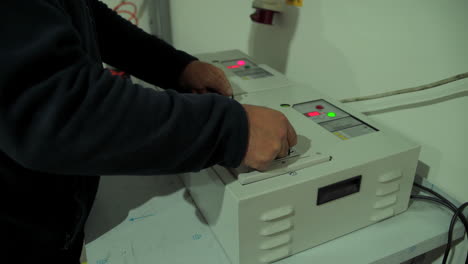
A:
{"x":338,"y":190}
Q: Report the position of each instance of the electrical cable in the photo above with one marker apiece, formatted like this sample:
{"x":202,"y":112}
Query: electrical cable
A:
{"x":432,"y":199}
{"x":407,"y":90}
{"x":436,"y":200}
{"x":452,"y":206}
{"x":450,"y":234}
{"x":458,"y":214}
{"x":133,"y":14}
{"x":124,"y":3}
{"x":438,"y":195}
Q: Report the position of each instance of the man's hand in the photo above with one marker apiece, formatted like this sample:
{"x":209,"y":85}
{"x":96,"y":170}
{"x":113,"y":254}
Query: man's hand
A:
{"x":201,"y":77}
{"x":270,"y":136}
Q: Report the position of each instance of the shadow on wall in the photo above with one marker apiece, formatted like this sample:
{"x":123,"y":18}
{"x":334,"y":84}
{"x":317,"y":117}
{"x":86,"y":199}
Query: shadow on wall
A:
{"x":270,"y":44}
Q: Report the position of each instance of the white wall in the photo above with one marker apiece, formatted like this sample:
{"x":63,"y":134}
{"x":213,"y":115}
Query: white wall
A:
{"x":350,"y":48}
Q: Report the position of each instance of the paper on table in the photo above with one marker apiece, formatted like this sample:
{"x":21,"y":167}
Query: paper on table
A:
{"x":165,"y":229}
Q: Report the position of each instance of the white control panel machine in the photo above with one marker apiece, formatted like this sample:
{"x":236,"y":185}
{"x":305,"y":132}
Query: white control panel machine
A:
{"x":345,"y":173}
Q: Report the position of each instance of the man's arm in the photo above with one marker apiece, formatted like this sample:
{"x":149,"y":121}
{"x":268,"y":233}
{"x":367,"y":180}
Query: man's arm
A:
{"x":60,"y":112}
{"x":127,"y":47}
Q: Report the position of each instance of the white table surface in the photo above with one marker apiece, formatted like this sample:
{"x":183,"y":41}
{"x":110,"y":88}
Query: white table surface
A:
{"x":151,"y":219}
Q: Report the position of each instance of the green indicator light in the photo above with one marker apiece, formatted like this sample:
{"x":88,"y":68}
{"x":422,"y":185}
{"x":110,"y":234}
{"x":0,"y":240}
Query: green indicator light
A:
{"x":331,"y":114}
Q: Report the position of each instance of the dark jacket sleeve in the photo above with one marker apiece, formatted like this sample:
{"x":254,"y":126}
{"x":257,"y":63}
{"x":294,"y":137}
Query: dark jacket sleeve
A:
{"x":60,"y":112}
{"x":127,"y":47}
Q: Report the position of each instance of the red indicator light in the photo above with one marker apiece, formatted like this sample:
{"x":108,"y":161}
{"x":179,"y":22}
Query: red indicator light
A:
{"x":312,"y":114}
{"x":320,"y":107}
{"x":233,"y":66}
{"x":241,"y":62}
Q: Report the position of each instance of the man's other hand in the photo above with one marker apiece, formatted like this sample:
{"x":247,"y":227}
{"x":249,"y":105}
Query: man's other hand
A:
{"x":270,"y":136}
{"x":201,"y":77}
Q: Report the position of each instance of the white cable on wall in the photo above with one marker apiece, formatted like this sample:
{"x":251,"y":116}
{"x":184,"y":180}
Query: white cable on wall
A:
{"x":408,"y":90}
{"x":411,"y":100}
{"x":379,"y":103}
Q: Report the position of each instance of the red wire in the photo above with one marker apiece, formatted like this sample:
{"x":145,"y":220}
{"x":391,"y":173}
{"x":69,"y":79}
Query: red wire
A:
{"x":126,"y":3}
{"x":133,"y":15}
